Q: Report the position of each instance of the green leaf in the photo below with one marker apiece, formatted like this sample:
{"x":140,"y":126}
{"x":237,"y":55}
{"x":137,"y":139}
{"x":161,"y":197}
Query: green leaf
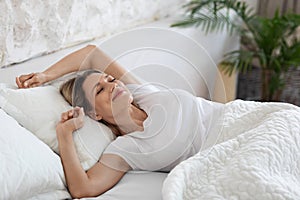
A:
{"x":239,"y":60}
{"x":216,"y":20}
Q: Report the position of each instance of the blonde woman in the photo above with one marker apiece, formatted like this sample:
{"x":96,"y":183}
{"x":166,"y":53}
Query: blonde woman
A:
{"x":156,"y":128}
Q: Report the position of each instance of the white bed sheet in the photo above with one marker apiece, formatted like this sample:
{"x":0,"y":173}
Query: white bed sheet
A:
{"x":136,"y":185}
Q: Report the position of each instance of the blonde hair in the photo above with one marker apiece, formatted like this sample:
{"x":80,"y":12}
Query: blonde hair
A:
{"x":66,"y":90}
{"x":74,"y":94}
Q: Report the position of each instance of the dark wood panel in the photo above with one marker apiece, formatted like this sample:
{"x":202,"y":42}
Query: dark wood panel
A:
{"x":268,"y":7}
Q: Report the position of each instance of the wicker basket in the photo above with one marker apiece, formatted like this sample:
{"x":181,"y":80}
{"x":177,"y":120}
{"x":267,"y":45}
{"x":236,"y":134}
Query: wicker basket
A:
{"x":249,"y":86}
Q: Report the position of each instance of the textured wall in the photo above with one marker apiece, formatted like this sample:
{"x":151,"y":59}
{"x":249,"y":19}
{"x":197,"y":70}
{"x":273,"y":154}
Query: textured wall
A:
{"x":34,"y":27}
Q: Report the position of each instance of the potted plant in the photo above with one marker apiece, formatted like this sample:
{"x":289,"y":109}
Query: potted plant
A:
{"x":271,"y":42}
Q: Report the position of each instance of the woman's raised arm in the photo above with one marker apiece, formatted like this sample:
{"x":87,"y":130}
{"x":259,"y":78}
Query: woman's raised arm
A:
{"x":96,"y":180}
{"x":89,"y":57}
{"x":100,"y":61}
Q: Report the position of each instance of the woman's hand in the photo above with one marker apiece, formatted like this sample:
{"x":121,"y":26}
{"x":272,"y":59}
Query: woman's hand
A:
{"x":31,"y":80}
{"x":70,"y":121}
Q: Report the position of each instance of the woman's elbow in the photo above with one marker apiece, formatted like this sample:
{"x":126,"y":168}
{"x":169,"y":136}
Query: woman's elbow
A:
{"x":83,"y":192}
{"x":91,"y":46}
{"x":77,"y":193}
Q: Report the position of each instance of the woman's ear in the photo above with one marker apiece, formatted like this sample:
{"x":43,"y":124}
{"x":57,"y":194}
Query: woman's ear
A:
{"x":98,"y":117}
{"x":95,"y":116}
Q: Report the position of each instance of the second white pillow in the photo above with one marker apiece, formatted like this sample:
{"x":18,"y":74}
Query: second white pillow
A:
{"x":39,"y":110}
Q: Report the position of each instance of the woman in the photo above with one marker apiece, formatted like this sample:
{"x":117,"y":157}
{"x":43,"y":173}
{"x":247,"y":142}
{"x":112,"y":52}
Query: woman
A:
{"x":157,"y":129}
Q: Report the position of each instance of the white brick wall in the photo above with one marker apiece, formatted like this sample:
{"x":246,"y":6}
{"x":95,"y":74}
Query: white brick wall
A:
{"x":33,"y":27}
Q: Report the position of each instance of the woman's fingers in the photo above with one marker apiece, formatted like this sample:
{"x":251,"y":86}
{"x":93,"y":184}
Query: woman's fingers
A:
{"x":30,"y":80}
{"x":21,"y":80}
{"x":76,"y":113}
{"x":19,"y":84}
{"x":70,"y":113}
{"x":24,"y":77}
{"x":65,"y":116}
{"x":72,"y":119}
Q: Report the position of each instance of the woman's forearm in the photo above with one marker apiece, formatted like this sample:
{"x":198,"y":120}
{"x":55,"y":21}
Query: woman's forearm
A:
{"x":76,"y":61}
{"x":89,"y":57}
{"x":98,"y":178}
{"x":76,"y":177}
{"x":100,"y":61}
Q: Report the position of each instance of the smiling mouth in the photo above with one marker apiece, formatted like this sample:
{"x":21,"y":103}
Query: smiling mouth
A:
{"x":118,"y":93}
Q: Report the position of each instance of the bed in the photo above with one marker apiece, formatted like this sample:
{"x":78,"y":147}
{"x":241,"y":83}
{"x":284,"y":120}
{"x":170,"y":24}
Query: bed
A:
{"x":177,"y":58}
{"x":30,"y":164}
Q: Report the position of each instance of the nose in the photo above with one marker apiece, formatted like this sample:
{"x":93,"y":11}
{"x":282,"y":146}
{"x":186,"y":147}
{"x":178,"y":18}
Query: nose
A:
{"x":111,"y":86}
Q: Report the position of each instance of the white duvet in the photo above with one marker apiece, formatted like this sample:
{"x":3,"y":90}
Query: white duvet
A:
{"x":256,"y":156}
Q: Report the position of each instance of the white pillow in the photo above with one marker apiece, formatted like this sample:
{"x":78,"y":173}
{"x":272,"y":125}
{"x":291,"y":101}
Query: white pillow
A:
{"x":28,"y":167}
{"x":39,"y":110}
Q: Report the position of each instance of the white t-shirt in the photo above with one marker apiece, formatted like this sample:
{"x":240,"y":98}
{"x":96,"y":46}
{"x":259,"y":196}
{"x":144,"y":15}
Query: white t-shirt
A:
{"x":175,"y":129}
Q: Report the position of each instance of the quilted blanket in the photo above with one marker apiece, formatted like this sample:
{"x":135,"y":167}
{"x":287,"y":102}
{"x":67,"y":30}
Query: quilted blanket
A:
{"x":256,"y":155}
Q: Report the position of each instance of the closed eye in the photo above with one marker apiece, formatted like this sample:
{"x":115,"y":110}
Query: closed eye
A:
{"x":100,"y":90}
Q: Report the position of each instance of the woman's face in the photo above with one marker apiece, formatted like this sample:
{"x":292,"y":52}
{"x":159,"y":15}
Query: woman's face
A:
{"x":109,"y":97}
